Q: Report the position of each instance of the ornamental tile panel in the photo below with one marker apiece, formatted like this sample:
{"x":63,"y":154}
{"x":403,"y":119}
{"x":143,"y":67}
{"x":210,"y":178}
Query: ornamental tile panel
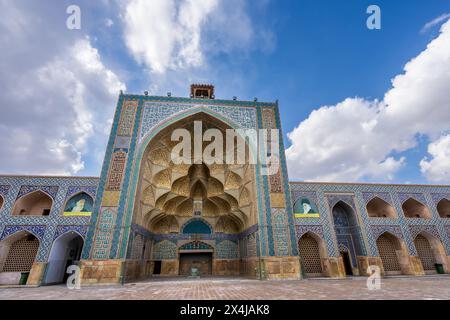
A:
{"x":50,"y":190}
{"x":154,"y":113}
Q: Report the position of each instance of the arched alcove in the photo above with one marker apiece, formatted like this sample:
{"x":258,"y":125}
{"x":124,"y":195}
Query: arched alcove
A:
{"x":311,"y":250}
{"x":37,"y":203}
{"x":80,"y":204}
{"x":195,"y":197}
{"x":17,"y":255}
{"x":388,"y":245}
{"x":415,"y":209}
{"x":66,"y":251}
{"x":378,"y":208}
{"x":196,"y":226}
{"x":1,"y":202}
{"x":348,"y":235}
{"x":430,"y":251}
{"x":443,"y":208}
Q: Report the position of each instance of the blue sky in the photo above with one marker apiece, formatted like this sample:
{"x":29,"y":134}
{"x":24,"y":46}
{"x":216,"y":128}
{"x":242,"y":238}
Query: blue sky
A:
{"x":311,"y":55}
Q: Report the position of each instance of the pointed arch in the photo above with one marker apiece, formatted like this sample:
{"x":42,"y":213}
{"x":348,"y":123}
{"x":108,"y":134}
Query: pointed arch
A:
{"x":378,"y":208}
{"x":36,"y":203}
{"x":348,"y":233}
{"x":66,"y":250}
{"x":18,"y":252}
{"x":2,"y":201}
{"x":430,"y":251}
{"x":388,"y":245}
{"x":443,"y":208}
{"x":312,"y":250}
{"x":196,"y":226}
{"x":80,"y":204}
{"x":413,"y":208}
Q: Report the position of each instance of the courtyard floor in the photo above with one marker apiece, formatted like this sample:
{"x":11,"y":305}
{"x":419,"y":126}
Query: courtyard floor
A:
{"x":427,"y":287}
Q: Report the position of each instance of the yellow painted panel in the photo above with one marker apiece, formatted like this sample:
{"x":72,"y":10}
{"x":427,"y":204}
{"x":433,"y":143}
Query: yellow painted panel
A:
{"x":110,"y":198}
{"x":277,"y":200}
{"x":77,"y":214}
{"x":307,"y":215}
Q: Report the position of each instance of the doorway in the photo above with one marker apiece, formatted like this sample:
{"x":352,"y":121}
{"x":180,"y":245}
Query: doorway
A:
{"x":66,"y":251}
{"x":202,"y":261}
{"x":157,"y":267}
{"x":347,"y":263}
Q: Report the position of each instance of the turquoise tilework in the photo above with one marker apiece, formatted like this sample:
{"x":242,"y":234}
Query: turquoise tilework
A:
{"x":404,"y":228}
{"x":44,"y":227}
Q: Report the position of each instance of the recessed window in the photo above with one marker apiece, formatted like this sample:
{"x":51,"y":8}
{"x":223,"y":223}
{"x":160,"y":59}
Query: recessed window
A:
{"x":36,"y":203}
{"x":443,"y":208}
{"x":378,"y":208}
{"x":415,"y":209}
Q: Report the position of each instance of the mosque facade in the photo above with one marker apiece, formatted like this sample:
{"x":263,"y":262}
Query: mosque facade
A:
{"x":148,"y":216}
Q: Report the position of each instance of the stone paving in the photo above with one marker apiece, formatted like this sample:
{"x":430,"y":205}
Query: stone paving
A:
{"x":431,"y":287}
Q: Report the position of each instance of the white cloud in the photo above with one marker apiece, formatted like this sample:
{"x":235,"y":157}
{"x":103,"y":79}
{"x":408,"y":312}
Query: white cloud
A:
{"x":341,"y":143}
{"x":180,"y":35}
{"x":438,"y":168}
{"x":434,"y":22}
{"x":166,"y":34}
{"x":358,"y":139}
{"x":56,"y":88}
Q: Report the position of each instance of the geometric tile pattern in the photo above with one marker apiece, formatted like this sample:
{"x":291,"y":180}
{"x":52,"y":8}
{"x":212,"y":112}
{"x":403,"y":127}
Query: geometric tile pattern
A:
{"x":90,"y":190}
{"x":280,"y":231}
{"x":378,"y":230}
{"x":415,"y":230}
{"x":116,"y":171}
{"x":371,"y":228}
{"x":247,"y":246}
{"x":127,"y":118}
{"x":50,"y":190}
{"x":196,"y":245}
{"x":367,"y":196}
{"x":156,"y":112}
{"x":437,"y":197}
{"x":37,"y":231}
{"x":302,"y":229}
{"x":227,"y":249}
{"x":164,"y":250}
{"x":4,"y":190}
{"x":292,"y":239}
{"x":80,"y":229}
{"x":104,"y":233}
{"x":403,"y":196}
{"x":43,"y":227}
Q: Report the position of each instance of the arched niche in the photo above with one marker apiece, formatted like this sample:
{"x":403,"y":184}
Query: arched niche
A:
{"x":430,"y":251}
{"x":36,"y":203}
{"x":415,"y":209}
{"x":378,"y":208}
{"x":389,"y":248}
{"x":443,"y":208}
{"x":65,"y":251}
{"x":348,"y":235}
{"x":17,"y":255}
{"x":221,"y":194}
{"x":312,"y":251}
{"x":80,"y":204}
{"x":196,"y":226}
